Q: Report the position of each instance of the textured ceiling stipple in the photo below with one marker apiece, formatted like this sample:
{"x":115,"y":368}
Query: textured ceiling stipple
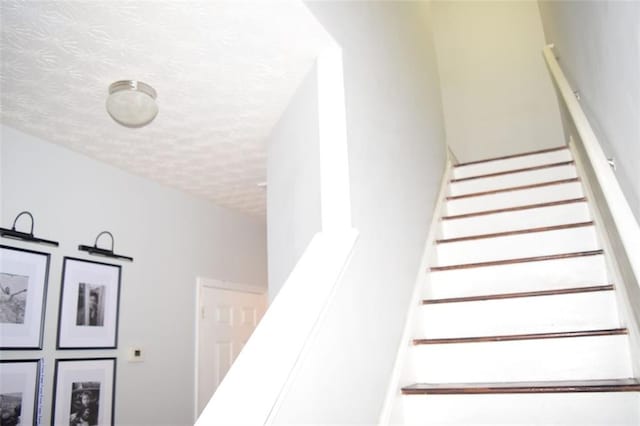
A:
{"x":224,"y":72}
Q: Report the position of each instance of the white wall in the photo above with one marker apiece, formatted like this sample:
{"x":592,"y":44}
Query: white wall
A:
{"x":396,"y":160}
{"x":498,"y":98}
{"x":173,"y":238}
{"x":598,"y":44}
{"x":293,"y":183}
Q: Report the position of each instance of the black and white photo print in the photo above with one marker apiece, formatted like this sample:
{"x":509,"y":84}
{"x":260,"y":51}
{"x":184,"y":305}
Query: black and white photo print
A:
{"x":13,"y":297}
{"x":85,"y":399}
{"x":11,"y":408}
{"x":89,"y":303}
{"x":19,"y":392}
{"x":23,"y":292}
{"x":84,"y":392}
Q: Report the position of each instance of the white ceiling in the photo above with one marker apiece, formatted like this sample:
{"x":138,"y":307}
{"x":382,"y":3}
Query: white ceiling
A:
{"x":224,"y":72}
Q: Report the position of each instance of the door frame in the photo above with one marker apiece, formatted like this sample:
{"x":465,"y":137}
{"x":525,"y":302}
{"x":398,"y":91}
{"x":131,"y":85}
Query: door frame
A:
{"x":202,"y":282}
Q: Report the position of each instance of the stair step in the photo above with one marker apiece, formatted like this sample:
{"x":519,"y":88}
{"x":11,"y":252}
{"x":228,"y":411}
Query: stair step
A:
{"x":510,"y":156}
{"x":532,"y":336}
{"x":555,"y":292}
{"x":512,"y":171}
{"x":611,"y":406}
{"x":517,"y":260}
{"x":515,"y":232}
{"x":525,"y":197}
{"x":555,"y":155}
{"x":511,"y":188}
{"x":557,"y":214}
{"x":603,"y":354}
{"x":558,"y":386}
{"x":517,"y":180}
{"x":521,"y":245}
{"x":579,"y":271}
{"x":516,"y":208}
{"x":577,"y":309}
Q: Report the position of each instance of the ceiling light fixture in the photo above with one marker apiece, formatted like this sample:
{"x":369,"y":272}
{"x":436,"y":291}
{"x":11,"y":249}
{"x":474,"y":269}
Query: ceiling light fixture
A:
{"x":132,"y":103}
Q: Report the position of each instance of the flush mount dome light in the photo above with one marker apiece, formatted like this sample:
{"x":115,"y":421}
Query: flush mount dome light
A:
{"x":132,"y":103}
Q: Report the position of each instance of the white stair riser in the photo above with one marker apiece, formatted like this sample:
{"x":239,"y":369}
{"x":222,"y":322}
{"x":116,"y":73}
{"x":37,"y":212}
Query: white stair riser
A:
{"x":556,"y":313}
{"x":530,"y":276}
{"x":575,"y":358}
{"x":512,"y":164}
{"x":576,"y":409}
{"x":511,"y":221}
{"x":514,"y":199}
{"x":517,"y":246}
{"x":512,"y":180}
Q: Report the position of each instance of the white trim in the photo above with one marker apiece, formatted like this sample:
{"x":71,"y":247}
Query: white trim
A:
{"x":391,"y":406}
{"x":621,"y":212}
{"x":196,"y":358}
{"x":227,"y":285}
{"x":452,"y":156}
{"x":335,"y":207}
{"x":222,"y":285}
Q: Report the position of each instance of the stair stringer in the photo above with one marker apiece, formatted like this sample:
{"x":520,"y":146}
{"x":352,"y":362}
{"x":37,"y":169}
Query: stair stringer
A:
{"x":627,"y":290}
{"x":392,"y":410}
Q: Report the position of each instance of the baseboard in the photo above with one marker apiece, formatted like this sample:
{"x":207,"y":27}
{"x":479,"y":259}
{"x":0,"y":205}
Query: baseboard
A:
{"x":391,"y":409}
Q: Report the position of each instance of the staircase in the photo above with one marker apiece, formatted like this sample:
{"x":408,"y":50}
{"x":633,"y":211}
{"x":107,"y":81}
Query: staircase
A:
{"x":519,"y":321}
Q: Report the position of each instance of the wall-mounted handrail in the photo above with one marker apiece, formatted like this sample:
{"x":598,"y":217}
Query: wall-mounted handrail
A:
{"x":621,"y":212}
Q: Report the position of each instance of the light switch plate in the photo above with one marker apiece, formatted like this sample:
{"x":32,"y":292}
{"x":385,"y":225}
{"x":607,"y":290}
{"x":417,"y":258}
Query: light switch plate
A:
{"x":135,"y":354}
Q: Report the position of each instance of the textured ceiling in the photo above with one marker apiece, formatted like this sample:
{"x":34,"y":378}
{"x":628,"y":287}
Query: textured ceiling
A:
{"x":224,"y":72}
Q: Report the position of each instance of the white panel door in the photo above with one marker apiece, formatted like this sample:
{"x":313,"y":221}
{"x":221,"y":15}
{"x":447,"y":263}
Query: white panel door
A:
{"x":226,"y":320}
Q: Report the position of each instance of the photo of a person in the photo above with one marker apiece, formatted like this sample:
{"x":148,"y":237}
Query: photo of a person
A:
{"x":13,"y":298}
{"x":90,"y":305}
{"x":84,"y":404}
{"x":10,"y":409}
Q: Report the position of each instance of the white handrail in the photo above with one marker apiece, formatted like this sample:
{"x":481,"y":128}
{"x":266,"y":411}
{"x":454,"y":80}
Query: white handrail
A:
{"x":621,"y":213}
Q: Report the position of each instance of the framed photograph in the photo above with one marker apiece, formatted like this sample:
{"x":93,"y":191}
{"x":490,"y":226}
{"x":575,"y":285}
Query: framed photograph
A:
{"x":89,"y":304}
{"x":23,"y":293}
{"x":84,"y":392}
{"x":20,"y":392}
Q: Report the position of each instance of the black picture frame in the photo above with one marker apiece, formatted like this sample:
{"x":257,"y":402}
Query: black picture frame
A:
{"x":89,"y":310}
{"x":24,"y":280}
{"x":73,"y":378}
{"x":20,"y":385}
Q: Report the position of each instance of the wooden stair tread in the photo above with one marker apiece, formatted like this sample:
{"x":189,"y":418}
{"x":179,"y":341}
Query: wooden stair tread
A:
{"x":560,"y":386}
{"x":506,"y":157}
{"x":517,"y":260}
{"x":517,"y":208}
{"x":529,"y":336}
{"x":513,"y":188}
{"x":573,"y":290}
{"x":516,"y":232}
{"x":508,"y":172}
